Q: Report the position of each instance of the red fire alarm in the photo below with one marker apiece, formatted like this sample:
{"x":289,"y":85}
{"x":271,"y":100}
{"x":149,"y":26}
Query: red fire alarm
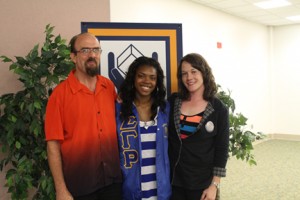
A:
{"x":219,"y":45}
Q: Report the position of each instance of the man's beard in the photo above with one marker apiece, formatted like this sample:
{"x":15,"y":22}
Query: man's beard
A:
{"x":91,"y":71}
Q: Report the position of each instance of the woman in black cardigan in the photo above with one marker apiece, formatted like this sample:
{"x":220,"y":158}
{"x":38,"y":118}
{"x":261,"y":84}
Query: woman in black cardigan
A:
{"x":198,"y":133}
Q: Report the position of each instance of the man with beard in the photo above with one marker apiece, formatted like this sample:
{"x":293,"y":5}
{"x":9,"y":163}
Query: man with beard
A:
{"x":80,"y":129}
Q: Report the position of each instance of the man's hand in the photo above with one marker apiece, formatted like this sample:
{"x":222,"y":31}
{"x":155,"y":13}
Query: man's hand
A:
{"x":63,"y":195}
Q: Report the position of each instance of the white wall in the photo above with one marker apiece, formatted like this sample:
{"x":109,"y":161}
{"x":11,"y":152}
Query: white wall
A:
{"x":242,"y":65}
{"x":285,"y":85}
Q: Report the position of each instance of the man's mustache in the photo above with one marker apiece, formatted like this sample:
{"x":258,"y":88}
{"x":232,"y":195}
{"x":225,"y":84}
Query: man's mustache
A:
{"x":91,"y":59}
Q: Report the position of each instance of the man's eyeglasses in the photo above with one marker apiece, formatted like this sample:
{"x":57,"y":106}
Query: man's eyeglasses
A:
{"x":87,"y":51}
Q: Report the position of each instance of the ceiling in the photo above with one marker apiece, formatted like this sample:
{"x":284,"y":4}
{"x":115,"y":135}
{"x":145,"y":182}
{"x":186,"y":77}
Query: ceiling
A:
{"x":245,"y":9}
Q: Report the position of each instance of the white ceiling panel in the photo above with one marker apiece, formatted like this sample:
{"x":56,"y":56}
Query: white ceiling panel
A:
{"x":247,"y":10}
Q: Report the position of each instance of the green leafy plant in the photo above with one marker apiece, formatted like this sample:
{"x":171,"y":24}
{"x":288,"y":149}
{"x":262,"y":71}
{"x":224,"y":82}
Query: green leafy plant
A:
{"x":22,"y":117}
{"x":240,"y":139}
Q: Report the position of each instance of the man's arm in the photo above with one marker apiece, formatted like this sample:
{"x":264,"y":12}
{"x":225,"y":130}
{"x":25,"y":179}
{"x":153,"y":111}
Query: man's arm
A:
{"x":55,"y":164}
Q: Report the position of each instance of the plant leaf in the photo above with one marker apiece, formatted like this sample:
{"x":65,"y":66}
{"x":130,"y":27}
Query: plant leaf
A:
{"x":5,"y":59}
{"x":18,"y":145}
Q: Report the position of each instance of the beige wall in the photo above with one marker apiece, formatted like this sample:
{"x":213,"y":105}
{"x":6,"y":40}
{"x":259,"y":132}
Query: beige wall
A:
{"x":23,"y":24}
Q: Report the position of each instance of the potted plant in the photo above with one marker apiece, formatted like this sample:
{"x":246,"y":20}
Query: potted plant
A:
{"x":22,"y":117}
{"x":240,"y":138}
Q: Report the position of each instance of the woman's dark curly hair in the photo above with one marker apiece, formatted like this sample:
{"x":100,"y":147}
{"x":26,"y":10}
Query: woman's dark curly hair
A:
{"x":127,"y":89}
{"x":199,"y":63}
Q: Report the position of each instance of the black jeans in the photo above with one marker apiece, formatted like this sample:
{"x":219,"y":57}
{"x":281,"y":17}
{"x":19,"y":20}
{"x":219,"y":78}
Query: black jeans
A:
{"x":179,"y":193}
{"x":111,"y":192}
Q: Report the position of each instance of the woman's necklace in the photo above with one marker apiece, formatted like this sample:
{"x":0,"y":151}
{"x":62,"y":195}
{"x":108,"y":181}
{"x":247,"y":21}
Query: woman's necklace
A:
{"x":147,"y":124}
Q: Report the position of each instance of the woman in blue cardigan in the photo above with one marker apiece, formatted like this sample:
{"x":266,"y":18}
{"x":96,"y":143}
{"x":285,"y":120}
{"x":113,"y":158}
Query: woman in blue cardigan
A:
{"x":142,"y":124}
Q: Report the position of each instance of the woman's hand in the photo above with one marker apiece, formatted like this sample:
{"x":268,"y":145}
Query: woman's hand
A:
{"x":209,"y":193}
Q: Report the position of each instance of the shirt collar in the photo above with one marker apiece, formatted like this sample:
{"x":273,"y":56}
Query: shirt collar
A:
{"x":76,"y":86}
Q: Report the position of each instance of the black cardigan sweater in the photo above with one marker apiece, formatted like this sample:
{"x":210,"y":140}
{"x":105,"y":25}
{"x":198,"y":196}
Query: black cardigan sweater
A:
{"x":195,"y":160}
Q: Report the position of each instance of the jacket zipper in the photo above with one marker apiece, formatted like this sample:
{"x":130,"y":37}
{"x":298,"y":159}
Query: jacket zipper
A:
{"x":177,"y":158}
